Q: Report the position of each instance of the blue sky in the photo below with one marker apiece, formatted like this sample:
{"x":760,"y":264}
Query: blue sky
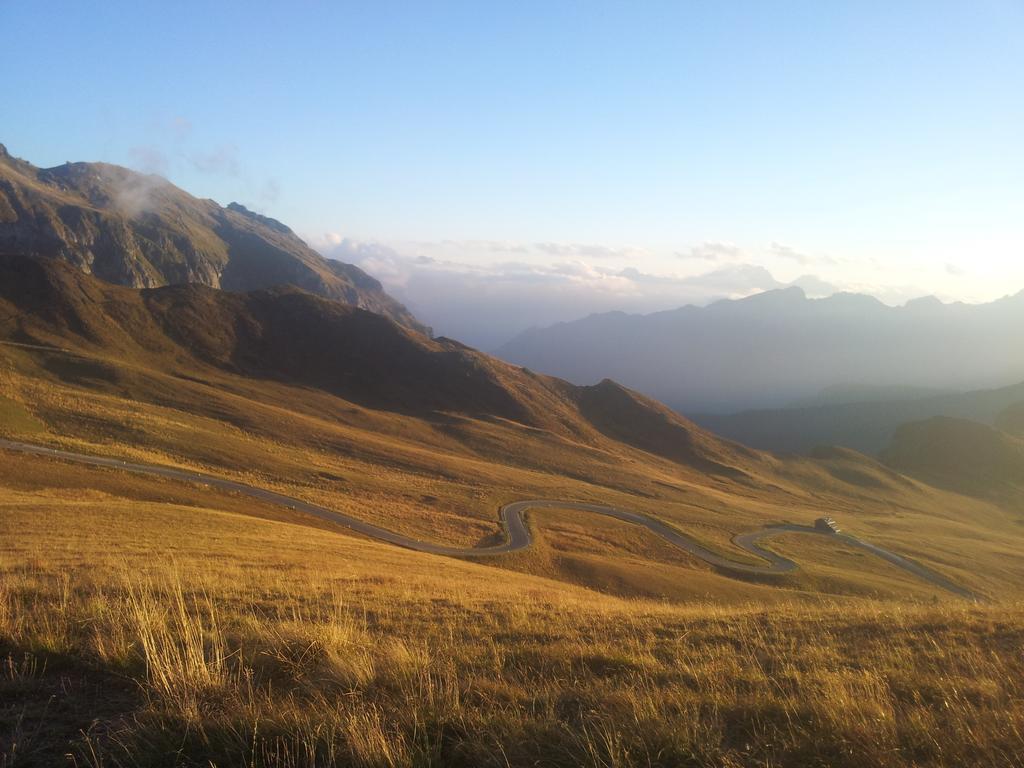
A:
{"x":876,"y":145}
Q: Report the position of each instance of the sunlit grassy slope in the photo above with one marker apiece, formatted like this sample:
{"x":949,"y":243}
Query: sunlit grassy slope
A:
{"x":148,"y":622}
{"x":443,"y":478}
{"x":162,"y":632}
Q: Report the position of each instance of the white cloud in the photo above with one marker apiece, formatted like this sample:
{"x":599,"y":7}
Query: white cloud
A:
{"x":713,"y":251}
{"x":134,"y":194}
{"x":489,"y":246}
{"x":781,"y":251}
{"x":582,"y":250}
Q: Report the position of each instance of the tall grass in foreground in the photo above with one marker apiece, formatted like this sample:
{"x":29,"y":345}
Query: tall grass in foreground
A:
{"x":257,"y":675}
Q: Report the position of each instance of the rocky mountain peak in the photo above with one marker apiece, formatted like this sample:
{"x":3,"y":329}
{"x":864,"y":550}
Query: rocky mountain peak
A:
{"x":142,"y":231}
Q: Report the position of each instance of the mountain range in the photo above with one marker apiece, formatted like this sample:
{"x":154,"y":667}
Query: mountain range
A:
{"x":141,"y":231}
{"x":778,"y":347}
{"x":179,"y":337}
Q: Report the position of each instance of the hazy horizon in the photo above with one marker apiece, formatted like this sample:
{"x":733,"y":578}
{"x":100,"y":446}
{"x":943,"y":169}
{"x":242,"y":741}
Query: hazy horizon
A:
{"x":488,"y":305}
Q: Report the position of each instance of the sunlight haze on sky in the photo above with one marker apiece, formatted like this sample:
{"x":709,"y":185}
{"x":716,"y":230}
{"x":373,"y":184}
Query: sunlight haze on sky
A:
{"x":579,"y":156}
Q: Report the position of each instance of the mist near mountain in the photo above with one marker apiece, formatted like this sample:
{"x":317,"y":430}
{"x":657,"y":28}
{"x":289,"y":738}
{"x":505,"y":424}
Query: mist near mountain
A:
{"x":779,"y":347}
{"x":141,"y":231}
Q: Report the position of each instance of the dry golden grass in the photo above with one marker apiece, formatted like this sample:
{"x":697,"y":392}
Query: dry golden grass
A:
{"x":444,"y":479}
{"x":144,"y":633}
{"x":147,"y":622}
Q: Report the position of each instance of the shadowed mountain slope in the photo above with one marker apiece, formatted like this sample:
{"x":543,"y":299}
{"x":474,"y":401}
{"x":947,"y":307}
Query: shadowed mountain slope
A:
{"x":958,"y":454}
{"x":292,"y":336}
{"x":629,"y":417}
{"x":141,"y":231}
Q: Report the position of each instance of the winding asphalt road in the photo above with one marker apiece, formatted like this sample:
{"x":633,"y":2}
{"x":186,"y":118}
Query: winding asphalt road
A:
{"x":513,"y":522}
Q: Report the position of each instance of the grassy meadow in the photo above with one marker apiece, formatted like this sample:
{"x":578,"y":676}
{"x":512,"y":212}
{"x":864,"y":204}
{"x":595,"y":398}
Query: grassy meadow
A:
{"x":149,"y":623}
{"x":145,"y":633}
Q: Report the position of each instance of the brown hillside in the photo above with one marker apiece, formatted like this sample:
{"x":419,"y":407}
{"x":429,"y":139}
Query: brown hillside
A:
{"x":292,"y":336}
{"x":141,"y":231}
{"x":287,"y":391}
{"x":631,"y":418}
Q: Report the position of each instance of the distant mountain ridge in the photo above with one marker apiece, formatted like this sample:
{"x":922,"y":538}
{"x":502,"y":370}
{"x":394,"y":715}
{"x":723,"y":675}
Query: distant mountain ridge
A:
{"x":777,"y":347}
{"x":141,"y":231}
